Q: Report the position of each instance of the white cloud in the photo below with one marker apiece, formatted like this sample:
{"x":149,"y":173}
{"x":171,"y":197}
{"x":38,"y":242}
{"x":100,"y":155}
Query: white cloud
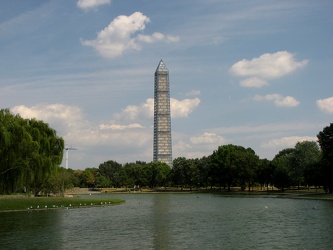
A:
{"x":268,"y":65}
{"x":134,"y":112}
{"x":184,"y":107}
{"x":179,"y":108}
{"x":61,"y":116}
{"x":253,"y":82}
{"x":157,"y":36}
{"x":118,"y":37}
{"x":208,"y":138}
{"x":278,"y":100}
{"x":326,"y":105}
{"x":287,"y":142}
{"x":91,"y":4}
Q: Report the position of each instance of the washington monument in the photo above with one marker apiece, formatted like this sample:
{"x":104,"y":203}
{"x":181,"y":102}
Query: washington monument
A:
{"x":162,"y":118}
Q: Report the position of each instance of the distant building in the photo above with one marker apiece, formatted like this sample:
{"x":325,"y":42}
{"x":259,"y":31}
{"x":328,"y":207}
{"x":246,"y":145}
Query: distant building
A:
{"x":162,"y":117}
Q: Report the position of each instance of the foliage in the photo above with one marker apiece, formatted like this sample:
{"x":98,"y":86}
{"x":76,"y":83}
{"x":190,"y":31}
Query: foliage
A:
{"x":234,"y":164}
{"x":61,"y":180}
{"x":158,"y":174}
{"x":88,"y":177}
{"x":325,"y":139}
{"x":30,"y":153}
{"x":306,"y":155}
{"x":265,"y":171}
{"x":281,"y":173}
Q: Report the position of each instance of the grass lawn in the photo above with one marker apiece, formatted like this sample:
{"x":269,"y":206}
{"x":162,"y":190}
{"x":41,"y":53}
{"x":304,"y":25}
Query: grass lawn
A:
{"x":21,"y":203}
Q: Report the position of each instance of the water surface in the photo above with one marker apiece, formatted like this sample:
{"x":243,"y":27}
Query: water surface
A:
{"x":175,"y":221}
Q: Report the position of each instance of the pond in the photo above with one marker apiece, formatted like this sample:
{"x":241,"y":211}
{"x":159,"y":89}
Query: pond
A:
{"x":175,"y":221}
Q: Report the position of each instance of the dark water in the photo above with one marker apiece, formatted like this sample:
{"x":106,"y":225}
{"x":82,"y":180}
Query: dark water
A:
{"x":175,"y":221}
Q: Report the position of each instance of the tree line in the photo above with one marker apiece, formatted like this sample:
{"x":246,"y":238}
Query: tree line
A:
{"x":307,"y":164}
{"x":31,"y":154}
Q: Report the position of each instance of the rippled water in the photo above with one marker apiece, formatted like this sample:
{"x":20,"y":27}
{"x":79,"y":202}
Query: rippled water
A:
{"x":175,"y":221}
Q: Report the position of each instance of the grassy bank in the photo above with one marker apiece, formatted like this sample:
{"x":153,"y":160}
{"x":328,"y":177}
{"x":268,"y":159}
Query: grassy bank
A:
{"x":23,"y":203}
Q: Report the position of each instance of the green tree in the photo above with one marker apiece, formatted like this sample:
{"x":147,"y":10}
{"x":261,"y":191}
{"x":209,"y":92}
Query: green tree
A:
{"x":195,"y":175}
{"x":223,"y":168}
{"x":246,"y":162}
{"x":158,"y":174}
{"x":281,"y":162}
{"x":281,"y":175}
{"x":305,"y":155}
{"x":102,"y":182}
{"x":136,"y":173}
{"x":265,"y":172}
{"x":181,"y":175}
{"x":204,"y":171}
{"x":30,"y":151}
{"x":232,"y":164}
{"x":177,"y":172}
{"x":88,"y":177}
{"x":61,"y":180}
{"x":325,"y":139}
{"x":112,"y":170}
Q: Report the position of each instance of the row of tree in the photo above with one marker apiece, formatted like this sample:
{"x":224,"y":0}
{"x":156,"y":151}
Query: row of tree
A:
{"x":31,"y":154}
{"x":228,"y":166}
{"x":307,"y":164}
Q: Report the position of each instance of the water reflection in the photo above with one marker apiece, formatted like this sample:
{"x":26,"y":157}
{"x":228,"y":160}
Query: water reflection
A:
{"x":161,"y":221}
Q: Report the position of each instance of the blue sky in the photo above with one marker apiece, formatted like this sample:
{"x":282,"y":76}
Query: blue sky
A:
{"x":251,"y":73}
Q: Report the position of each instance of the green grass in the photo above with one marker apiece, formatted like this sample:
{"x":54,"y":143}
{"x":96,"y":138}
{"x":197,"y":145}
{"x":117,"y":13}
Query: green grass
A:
{"x":21,"y":203}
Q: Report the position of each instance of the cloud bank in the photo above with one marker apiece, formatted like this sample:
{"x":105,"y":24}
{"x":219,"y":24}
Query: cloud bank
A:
{"x":70,"y":121}
{"x":267,"y":66}
{"x":119,"y":36}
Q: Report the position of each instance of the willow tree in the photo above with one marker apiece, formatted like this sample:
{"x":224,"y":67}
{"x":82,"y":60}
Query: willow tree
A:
{"x":29,"y":152}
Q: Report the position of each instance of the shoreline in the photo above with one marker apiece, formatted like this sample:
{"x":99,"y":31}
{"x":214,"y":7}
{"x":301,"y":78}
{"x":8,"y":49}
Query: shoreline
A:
{"x":318,"y":194}
{"x":76,"y":193}
{"x":313,"y":194}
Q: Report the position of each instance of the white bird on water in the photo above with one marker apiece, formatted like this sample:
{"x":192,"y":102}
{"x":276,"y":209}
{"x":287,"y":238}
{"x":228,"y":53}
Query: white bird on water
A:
{"x":266,"y":207}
